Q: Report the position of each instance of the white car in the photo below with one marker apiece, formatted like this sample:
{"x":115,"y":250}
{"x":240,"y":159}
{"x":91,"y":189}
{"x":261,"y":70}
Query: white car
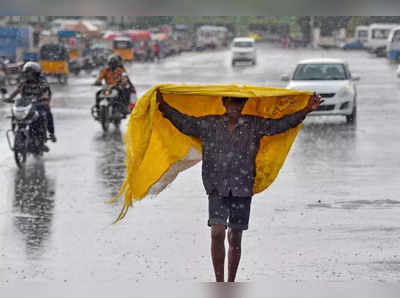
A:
{"x":332,"y":80}
{"x":244,"y":49}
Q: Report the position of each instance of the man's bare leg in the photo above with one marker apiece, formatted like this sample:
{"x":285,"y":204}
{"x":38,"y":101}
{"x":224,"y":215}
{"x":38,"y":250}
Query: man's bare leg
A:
{"x":218,"y":251}
{"x":235,"y":249}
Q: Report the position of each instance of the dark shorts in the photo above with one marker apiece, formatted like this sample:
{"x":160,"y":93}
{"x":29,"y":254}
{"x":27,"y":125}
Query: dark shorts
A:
{"x":233,"y":212}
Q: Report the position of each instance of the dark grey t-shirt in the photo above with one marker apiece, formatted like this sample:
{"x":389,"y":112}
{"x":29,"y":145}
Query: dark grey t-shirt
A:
{"x":229,"y":157}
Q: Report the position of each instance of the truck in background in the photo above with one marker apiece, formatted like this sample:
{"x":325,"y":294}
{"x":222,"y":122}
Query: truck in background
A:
{"x":14,"y":41}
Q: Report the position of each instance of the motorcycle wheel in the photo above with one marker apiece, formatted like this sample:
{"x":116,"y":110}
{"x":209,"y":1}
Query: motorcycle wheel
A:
{"x":105,"y":122}
{"x":20,"y":150}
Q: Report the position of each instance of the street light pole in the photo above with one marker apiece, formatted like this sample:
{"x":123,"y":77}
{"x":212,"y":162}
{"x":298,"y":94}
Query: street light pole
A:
{"x":312,"y":31}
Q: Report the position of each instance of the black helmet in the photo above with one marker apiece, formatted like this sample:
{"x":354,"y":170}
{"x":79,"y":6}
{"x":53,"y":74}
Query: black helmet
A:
{"x":31,"y":71}
{"x":113,"y":62}
{"x":119,"y":58}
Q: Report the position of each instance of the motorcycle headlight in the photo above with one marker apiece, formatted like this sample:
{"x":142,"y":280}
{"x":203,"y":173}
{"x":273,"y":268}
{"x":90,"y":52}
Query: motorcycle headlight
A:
{"x":21,"y":112}
{"x":110,"y":93}
{"x":113,"y":93}
{"x":345,"y":92}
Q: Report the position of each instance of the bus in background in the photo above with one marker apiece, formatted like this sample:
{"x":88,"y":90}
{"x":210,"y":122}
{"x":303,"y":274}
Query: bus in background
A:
{"x":393,"y":45}
{"x":377,"y":38}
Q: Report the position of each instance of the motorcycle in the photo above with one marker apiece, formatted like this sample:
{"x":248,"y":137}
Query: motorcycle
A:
{"x":110,"y":107}
{"x":75,"y":66}
{"x":28,"y":132}
{"x":85,"y":64}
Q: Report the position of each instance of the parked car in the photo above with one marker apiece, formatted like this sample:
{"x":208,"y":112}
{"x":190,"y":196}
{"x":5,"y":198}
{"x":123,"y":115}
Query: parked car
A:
{"x":332,"y":80}
{"x":244,"y":49}
{"x":355,"y":44}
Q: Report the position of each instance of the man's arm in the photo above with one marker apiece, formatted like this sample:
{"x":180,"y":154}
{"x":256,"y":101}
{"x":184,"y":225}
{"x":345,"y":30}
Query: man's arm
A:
{"x":10,"y":99}
{"x":275,"y":126}
{"x":101,"y":76}
{"x":186,"y":124}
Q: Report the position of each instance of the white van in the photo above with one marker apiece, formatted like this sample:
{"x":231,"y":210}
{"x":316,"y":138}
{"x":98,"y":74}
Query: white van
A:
{"x":211,"y":37}
{"x":377,"y":36}
{"x":244,"y":49}
{"x":393,"y":45}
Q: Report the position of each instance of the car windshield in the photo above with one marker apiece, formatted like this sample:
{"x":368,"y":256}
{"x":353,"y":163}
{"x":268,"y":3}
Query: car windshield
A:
{"x":396,"y":36}
{"x":53,"y":53}
{"x":122,"y":44}
{"x":362,"y":33}
{"x":323,"y":72}
{"x":380,"y":33}
{"x":243,"y":44}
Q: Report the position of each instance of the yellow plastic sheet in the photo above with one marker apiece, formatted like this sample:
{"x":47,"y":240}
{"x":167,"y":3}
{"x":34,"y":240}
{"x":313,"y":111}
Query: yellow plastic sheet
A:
{"x":156,"y":151}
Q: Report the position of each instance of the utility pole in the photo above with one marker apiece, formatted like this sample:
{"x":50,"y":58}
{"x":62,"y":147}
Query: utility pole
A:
{"x":312,"y":31}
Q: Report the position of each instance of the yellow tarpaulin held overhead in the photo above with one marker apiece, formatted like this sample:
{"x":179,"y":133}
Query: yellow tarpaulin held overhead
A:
{"x":156,"y":151}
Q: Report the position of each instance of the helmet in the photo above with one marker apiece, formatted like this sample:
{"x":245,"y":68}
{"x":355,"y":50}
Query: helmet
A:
{"x":119,"y":58}
{"x":31,"y":71}
{"x":113,"y":62}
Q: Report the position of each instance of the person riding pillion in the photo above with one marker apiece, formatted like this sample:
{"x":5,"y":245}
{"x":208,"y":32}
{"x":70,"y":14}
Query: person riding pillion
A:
{"x":34,"y":83}
{"x":128,"y":92}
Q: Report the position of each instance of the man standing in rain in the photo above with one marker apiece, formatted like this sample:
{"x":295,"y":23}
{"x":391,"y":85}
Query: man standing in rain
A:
{"x":230,"y":144}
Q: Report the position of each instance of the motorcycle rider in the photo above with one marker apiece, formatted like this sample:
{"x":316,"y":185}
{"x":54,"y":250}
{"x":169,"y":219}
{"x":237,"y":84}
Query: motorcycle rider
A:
{"x":34,"y":83}
{"x":111,"y":74}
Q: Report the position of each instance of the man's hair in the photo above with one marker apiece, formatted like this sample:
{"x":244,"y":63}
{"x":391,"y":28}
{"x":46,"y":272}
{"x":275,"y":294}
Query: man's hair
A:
{"x":241,"y":99}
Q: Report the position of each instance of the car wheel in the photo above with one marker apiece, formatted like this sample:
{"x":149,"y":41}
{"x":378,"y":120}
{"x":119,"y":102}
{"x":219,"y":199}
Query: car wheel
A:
{"x":233,"y":62}
{"x":352,"y":118}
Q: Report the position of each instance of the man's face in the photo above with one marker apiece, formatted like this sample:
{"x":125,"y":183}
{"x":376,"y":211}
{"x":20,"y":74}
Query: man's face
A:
{"x":234,"y":106}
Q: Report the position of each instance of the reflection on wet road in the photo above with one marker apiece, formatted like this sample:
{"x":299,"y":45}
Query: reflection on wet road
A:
{"x":331,"y":214}
{"x":111,"y":160}
{"x":33,"y":206}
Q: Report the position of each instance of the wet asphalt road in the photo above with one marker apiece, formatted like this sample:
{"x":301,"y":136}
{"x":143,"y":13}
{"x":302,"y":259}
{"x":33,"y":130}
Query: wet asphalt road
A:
{"x":332,"y":214}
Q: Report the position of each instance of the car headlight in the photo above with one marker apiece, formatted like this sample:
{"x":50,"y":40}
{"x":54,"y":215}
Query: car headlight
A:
{"x":345,"y":92}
